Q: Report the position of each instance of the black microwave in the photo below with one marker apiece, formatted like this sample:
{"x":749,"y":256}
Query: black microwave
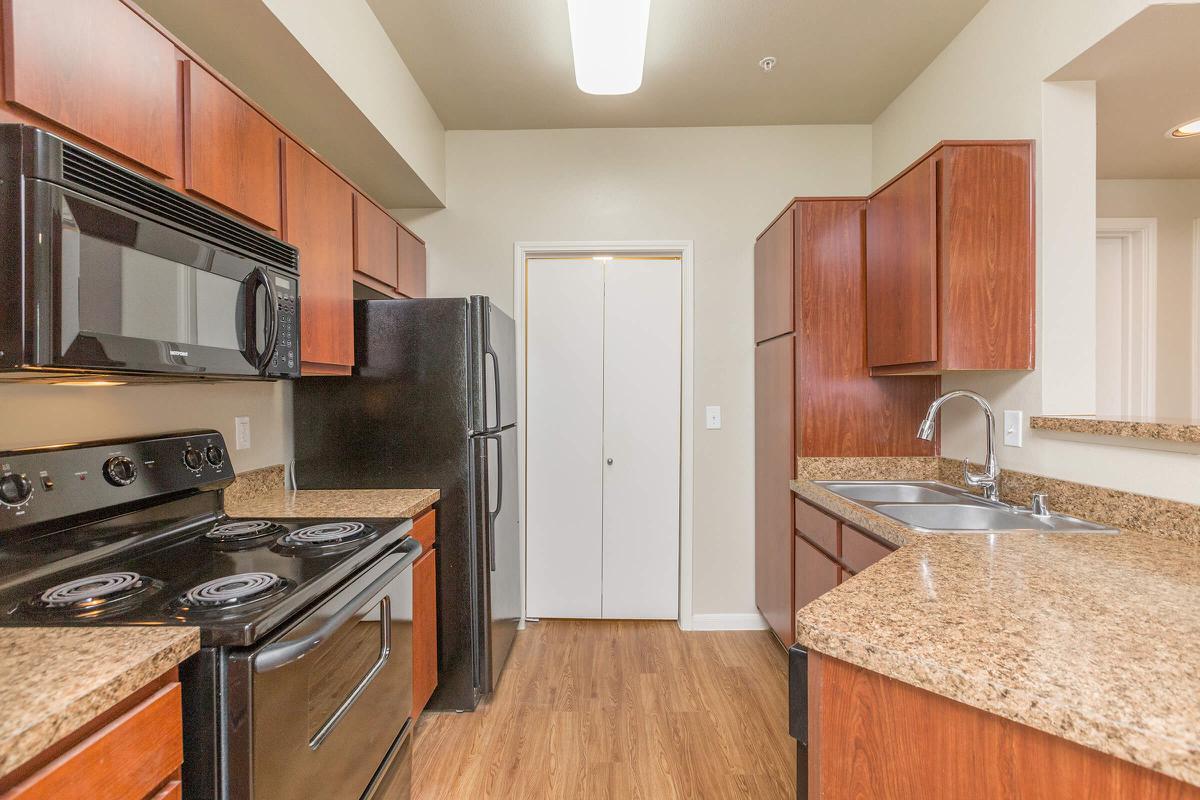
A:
{"x":105,"y":272}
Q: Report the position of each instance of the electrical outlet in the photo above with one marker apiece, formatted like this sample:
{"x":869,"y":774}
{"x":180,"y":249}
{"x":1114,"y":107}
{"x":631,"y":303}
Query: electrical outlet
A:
{"x":241,"y":431}
{"x":712,"y":417}
{"x":1014,"y":428}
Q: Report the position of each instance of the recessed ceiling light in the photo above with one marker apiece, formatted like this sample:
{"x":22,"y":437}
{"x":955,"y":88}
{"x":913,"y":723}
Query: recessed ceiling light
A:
{"x":608,"y":38}
{"x":767,"y":64}
{"x":1185,"y":130}
{"x":89,"y":383}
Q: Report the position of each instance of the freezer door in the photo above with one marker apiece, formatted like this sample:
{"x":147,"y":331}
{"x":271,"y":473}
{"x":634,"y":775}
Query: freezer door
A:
{"x":495,"y":335}
{"x":500,"y":566}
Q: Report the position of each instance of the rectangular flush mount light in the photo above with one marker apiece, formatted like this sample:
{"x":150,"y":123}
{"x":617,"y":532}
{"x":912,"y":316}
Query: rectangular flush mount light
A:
{"x":608,"y":38}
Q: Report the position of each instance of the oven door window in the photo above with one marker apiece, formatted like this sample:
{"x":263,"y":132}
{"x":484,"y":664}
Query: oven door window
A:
{"x":133,"y":294}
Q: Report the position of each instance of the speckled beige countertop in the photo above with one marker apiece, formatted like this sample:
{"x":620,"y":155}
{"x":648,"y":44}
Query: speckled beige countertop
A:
{"x":1161,"y":428}
{"x":55,"y":680}
{"x":1093,"y":638}
{"x":260,"y":493}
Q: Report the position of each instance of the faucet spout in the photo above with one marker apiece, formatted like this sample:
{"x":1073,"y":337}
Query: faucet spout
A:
{"x":989,"y":479}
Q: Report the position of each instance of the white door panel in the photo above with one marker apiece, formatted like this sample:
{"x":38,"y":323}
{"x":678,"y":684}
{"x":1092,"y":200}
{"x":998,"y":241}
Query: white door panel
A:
{"x":564,"y":429}
{"x":642,"y":349}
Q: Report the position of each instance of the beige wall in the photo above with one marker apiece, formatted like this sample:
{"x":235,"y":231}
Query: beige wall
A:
{"x":718,"y":187}
{"x":37,"y":414}
{"x":988,"y":84}
{"x":1176,"y":206}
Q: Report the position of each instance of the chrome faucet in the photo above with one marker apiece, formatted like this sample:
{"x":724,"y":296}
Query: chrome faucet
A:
{"x":989,"y":481}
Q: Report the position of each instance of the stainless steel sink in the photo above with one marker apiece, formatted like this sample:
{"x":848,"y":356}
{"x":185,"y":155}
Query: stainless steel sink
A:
{"x":931,"y":506}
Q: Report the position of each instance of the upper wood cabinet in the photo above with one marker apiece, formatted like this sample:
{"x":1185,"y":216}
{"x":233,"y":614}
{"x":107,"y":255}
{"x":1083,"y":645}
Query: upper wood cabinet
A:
{"x":376,"y":239}
{"x":319,"y":220}
{"x":773,"y":271}
{"x":96,"y":68}
{"x":232,"y":151}
{"x":411,"y":279}
{"x":951,"y":262}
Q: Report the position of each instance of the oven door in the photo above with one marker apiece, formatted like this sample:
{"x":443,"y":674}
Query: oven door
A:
{"x":330,"y":695}
{"x":116,"y":292}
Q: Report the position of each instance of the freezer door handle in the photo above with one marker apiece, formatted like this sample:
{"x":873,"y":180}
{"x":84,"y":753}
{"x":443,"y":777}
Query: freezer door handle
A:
{"x":492,"y":514}
{"x":490,"y":353}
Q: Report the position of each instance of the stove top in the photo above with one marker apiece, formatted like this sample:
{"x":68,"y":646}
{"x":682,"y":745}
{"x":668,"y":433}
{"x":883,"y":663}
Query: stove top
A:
{"x":235,"y":579}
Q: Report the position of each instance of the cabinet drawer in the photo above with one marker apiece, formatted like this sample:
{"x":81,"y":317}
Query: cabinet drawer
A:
{"x":860,"y":551}
{"x":817,"y":526}
{"x":128,"y":758}
{"x":816,"y":574}
{"x":424,"y":530}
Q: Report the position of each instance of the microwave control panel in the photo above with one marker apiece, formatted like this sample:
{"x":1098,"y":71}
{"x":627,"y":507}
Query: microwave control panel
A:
{"x":285,"y":361}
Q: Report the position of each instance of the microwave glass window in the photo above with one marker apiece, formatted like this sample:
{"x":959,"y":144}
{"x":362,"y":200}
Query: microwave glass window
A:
{"x":125,"y":291}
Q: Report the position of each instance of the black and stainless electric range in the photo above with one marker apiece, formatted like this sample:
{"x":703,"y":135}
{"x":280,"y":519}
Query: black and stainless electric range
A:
{"x":303,"y":684}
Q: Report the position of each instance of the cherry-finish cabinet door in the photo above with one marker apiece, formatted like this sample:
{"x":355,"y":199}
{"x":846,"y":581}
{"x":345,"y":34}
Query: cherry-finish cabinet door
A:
{"x":319,"y":221}
{"x":231,"y":151}
{"x":773,"y":268}
{"x":902,"y":269}
{"x":98,"y":69}
{"x":424,"y":640}
{"x":816,"y":573}
{"x":411,"y":279}
{"x":376,"y":242}
{"x":774,"y":463}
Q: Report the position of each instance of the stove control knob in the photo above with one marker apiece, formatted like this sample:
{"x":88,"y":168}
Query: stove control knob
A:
{"x":14,"y":489}
{"x":193,"y":458}
{"x":214,"y":455}
{"x":120,"y":471}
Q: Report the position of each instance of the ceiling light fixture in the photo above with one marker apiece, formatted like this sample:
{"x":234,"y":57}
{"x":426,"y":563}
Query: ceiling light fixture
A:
{"x":767,"y":64}
{"x":608,"y":38}
{"x":1185,"y":130}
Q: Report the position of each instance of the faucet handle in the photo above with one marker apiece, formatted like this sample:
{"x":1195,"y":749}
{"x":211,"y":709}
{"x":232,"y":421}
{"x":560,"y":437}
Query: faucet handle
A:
{"x":1039,"y":506}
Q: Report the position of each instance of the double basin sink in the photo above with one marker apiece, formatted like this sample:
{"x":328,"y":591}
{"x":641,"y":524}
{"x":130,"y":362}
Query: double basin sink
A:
{"x":930,"y":506}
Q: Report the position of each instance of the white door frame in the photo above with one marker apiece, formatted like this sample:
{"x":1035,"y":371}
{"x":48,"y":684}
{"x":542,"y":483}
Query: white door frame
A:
{"x":1139,"y":241}
{"x":1196,"y":319}
{"x":683,"y":249}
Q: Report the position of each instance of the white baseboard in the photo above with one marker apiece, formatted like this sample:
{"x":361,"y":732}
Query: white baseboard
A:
{"x":729,"y":622}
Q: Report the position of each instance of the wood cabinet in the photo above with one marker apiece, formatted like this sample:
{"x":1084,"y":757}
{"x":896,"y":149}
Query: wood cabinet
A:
{"x":773,"y":275}
{"x":319,"y":221}
{"x":376,"y":243}
{"x":410,"y":280}
{"x":814,"y":395}
{"x":425,"y":652}
{"x":232,"y":151}
{"x":774,"y":463}
{"x":98,"y":69}
{"x":951,"y":262}
{"x":862,"y":743}
{"x":130,"y":752}
{"x":816,"y":573}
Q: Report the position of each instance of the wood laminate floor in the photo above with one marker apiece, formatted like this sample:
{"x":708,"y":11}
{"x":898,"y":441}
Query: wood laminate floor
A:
{"x":600,"y":709}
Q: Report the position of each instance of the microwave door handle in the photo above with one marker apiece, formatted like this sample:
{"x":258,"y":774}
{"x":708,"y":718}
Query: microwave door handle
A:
{"x":272,"y":320}
{"x":285,"y":652}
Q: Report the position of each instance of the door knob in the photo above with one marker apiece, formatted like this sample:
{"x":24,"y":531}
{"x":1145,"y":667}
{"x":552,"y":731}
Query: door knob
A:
{"x":610,"y":462}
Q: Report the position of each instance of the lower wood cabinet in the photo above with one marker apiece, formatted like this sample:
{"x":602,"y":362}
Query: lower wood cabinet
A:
{"x":816,"y":573}
{"x":425,"y":650}
{"x":131,"y":753}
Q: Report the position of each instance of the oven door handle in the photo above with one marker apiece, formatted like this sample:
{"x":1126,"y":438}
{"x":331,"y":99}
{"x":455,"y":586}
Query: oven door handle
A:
{"x":280,"y":654}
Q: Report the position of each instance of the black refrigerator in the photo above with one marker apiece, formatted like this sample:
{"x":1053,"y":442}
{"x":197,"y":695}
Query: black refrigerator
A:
{"x":432,"y":402}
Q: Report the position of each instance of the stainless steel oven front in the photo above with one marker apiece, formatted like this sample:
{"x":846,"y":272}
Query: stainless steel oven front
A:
{"x":322,"y":708}
{"x":108,"y":272}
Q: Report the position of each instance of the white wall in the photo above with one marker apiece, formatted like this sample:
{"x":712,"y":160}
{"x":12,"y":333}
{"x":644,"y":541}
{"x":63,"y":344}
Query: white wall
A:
{"x":1176,"y":206}
{"x":718,"y":187}
{"x":987,"y":84}
{"x":37,"y":414}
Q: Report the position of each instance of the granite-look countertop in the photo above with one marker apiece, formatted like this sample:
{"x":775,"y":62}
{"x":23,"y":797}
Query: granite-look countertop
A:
{"x":260,"y":493}
{"x":1160,"y":428}
{"x":1094,"y":638}
{"x":55,"y":680}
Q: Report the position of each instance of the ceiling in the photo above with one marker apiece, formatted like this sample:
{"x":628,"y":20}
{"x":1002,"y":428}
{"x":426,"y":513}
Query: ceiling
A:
{"x":1146,"y":83}
{"x":492,"y":64}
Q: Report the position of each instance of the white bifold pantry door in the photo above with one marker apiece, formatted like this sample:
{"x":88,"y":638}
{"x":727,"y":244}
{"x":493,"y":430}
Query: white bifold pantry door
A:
{"x":603,"y":349}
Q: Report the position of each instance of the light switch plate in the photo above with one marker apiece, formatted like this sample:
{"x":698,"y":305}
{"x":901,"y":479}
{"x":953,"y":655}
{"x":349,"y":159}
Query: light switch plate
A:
{"x":241,"y":431}
{"x":712,"y":417}
{"x":1014,"y":428}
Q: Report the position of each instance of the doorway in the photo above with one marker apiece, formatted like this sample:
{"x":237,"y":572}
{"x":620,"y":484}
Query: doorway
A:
{"x":1126,"y":316}
{"x":605,"y":335}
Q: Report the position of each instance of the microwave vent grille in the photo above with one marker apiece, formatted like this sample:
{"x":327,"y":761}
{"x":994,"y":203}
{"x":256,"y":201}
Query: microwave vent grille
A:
{"x":87,"y":170}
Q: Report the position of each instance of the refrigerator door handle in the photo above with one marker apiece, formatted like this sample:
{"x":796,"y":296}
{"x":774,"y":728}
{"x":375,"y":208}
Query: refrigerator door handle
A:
{"x":496,"y":388}
{"x":492,"y":514}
